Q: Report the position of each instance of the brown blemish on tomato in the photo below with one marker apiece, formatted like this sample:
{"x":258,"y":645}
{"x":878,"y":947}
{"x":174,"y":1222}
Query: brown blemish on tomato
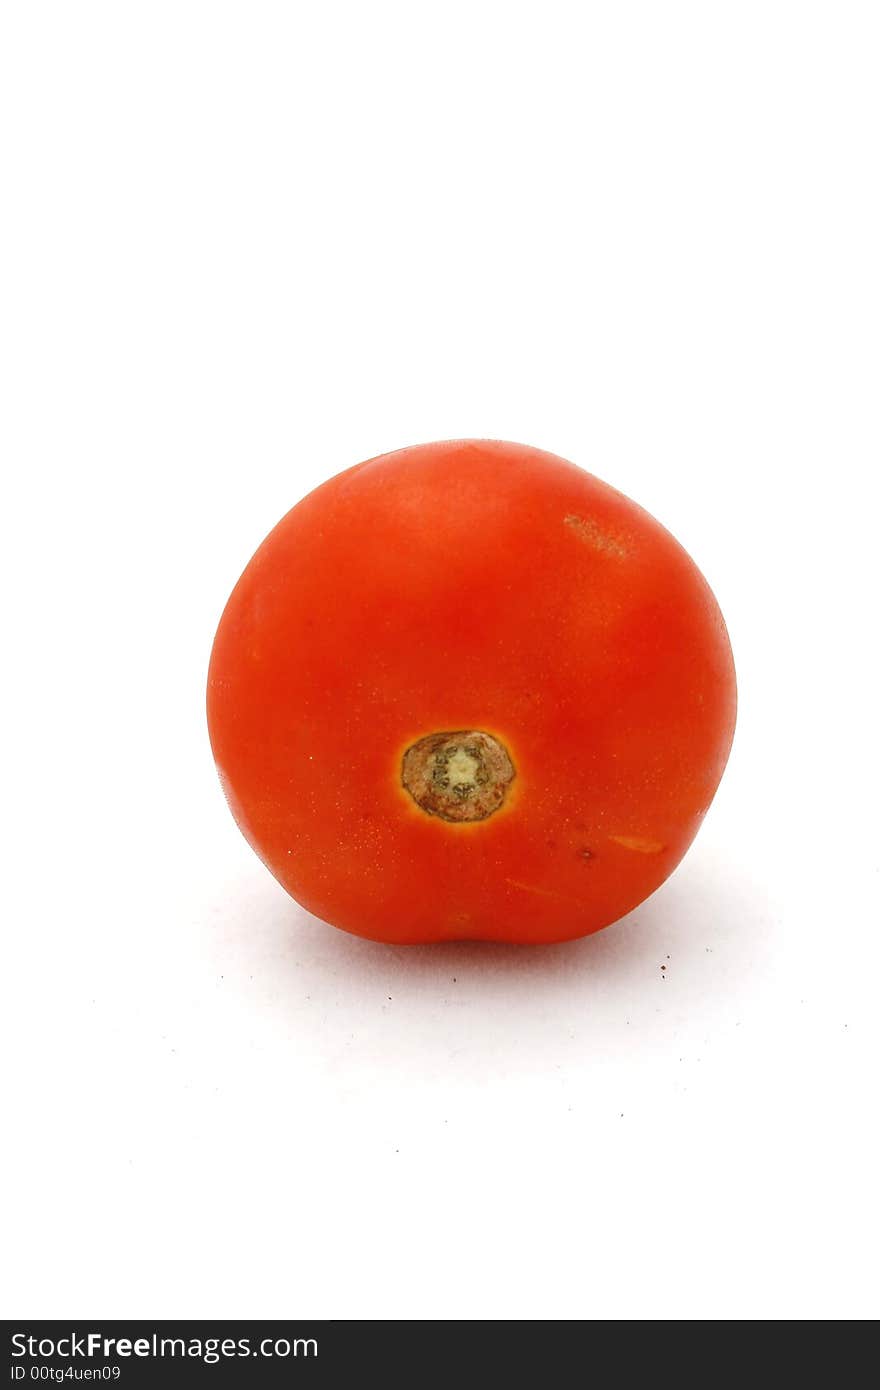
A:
{"x":594,"y":535}
{"x":639,"y":843}
{"x":459,"y":775}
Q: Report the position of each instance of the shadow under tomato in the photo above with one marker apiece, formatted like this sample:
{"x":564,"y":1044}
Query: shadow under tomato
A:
{"x":689,"y":961}
{"x":704,"y":908}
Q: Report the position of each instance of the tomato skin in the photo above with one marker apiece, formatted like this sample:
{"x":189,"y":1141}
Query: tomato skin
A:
{"x":471,"y":585}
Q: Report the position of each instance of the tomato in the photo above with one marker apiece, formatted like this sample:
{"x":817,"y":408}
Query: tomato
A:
{"x":467,"y":690}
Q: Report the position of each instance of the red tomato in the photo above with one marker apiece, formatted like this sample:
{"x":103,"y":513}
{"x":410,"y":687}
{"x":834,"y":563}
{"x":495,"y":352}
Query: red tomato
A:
{"x":468,"y":690}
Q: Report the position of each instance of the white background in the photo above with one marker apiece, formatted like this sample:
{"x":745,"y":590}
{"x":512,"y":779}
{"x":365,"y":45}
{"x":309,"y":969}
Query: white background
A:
{"x":245,"y":246}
